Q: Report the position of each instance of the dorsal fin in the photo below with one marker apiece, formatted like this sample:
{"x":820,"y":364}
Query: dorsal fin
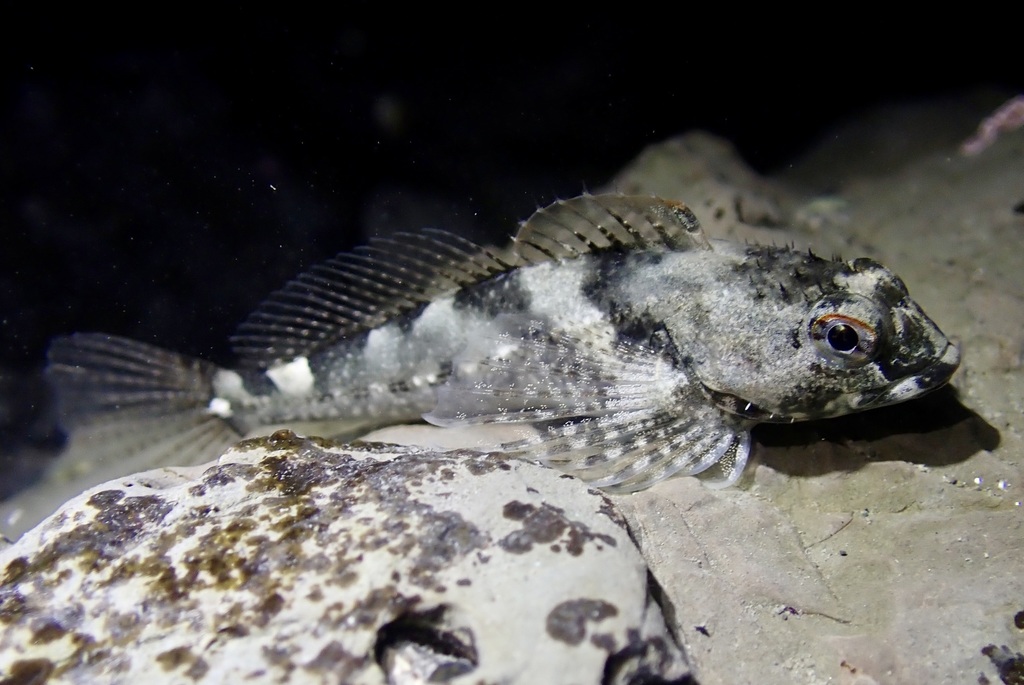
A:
{"x":591,"y":223}
{"x":358,"y":291}
{"x":361,"y":290}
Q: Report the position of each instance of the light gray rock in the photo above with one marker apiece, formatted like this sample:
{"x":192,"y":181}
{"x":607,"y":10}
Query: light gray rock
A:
{"x":704,"y":171}
{"x":294,"y":561}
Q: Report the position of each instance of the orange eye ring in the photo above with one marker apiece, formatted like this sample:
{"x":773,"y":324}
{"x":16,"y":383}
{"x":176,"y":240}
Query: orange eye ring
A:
{"x":844,"y":338}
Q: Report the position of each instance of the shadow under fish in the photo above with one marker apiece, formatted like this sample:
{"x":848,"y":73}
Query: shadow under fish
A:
{"x":936,"y":430}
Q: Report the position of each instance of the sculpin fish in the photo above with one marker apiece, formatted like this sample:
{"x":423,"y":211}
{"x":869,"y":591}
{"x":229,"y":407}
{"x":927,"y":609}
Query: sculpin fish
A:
{"x":626,"y":346}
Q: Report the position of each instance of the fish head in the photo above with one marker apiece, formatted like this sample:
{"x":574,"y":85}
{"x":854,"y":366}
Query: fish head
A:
{"x":831,"y":339}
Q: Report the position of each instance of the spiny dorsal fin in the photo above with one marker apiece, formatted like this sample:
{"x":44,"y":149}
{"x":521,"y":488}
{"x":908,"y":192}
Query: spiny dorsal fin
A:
{"x":356,"y":292}
{"x":591,"y":223}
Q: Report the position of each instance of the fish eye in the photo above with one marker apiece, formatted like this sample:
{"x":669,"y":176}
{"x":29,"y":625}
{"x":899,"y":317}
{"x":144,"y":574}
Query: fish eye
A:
{"x":846,"y":330}
{"x":842,"y":338}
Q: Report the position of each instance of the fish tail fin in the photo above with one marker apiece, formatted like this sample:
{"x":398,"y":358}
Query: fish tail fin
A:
{"x":126,"y":407}
{"x":139,"y":399}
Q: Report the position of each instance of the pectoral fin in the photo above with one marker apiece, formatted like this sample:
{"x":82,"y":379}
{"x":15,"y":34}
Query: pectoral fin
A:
{"x":620,"y":415}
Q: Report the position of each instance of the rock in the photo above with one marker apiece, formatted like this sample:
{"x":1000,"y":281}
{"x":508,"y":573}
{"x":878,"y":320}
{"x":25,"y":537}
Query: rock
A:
{"x":297,"y":561}
{"x":731,"y":200}
{"x":736,"y":573}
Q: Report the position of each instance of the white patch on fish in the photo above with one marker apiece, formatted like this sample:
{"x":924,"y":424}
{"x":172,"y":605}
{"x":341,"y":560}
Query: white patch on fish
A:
{"x":220,"y":407}
{"x":293,"y":378}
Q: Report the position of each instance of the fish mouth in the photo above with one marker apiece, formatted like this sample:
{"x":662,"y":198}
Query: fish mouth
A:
{"x":933,"y":377}
{"x":735,"y":404}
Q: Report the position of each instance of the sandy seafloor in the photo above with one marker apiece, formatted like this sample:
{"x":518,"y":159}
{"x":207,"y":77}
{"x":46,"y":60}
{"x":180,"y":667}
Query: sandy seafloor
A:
{"x":886,"y":547}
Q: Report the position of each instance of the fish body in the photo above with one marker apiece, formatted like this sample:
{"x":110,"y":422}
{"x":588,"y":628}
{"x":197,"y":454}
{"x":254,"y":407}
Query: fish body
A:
{"x":626,"y":346}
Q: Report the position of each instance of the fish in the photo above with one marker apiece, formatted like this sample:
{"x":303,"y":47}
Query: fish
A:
{"x":617,"y":341}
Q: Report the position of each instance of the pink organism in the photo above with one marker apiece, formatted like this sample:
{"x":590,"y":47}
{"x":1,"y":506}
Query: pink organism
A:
{"x":1009,"y":117}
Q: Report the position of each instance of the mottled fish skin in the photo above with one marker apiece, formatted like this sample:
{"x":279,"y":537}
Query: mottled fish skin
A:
{"x":627,"y":345}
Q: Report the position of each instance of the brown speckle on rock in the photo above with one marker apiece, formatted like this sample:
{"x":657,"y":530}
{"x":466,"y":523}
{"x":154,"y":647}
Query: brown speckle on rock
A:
{"x":516,"y":510}
{"x":124,"y":519}
{"x":14,"y":571}
{"x":545,"y":524}
{"x":331,"y":657}
{"x":540,"y":525}
{"x":269,"y":607}
{"x":567,"y":622}
{"x":289,"y":476}
{"x":233,"y":630}
{"x":444,"y":537}
{"x":174,"y":658}
{"x":12,"y":606}
{"x":119,"y":524}
{"x":198,"y":669}
{"x":48,"y":632}
{"x":225,"y":474}
{"x":603,"y":641}
{"x":29,"y":672}
{"x":106,"y":498}
{"x":478,"y":466}
{"x":609,"y":510}
{"x":1010,"y":664}
{"x":277,"y":655}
